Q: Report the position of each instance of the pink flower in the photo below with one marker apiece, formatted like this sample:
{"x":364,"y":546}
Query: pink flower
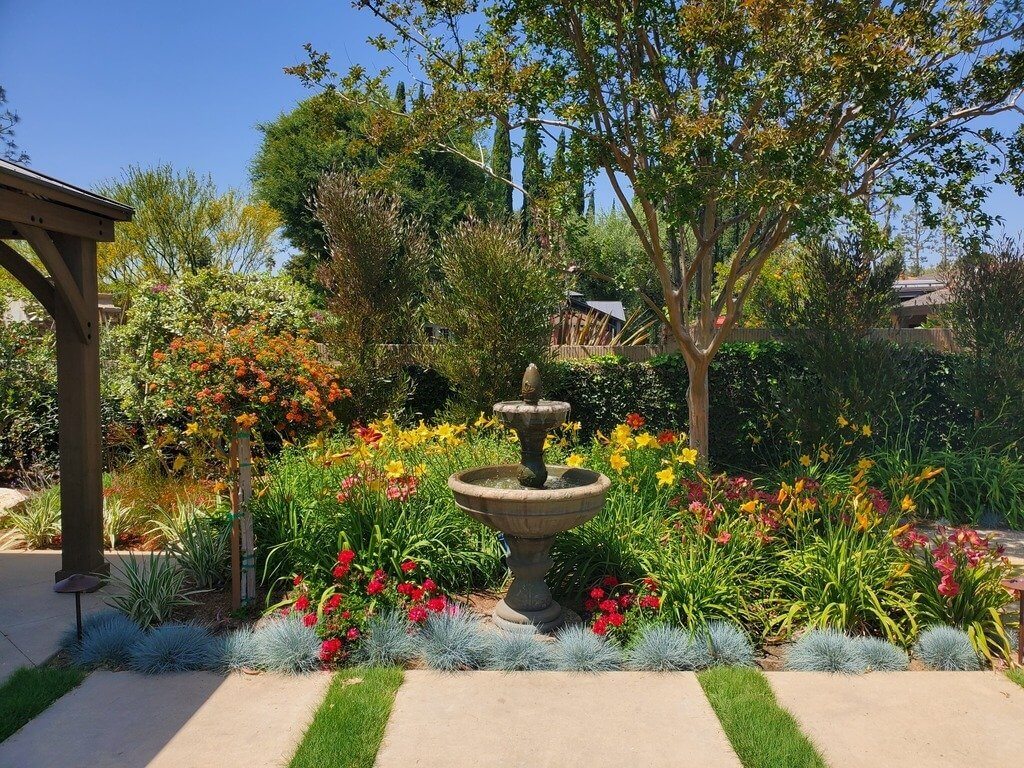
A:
{"x":723,"y":537}
{"x":352,"y":634}
{"x":948,"y":587}
{"x":946,"y":566}
{"x":429,"y":585}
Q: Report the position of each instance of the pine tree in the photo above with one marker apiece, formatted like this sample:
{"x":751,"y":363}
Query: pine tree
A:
{"x":579,"y":189}
{"x":501,"y":163}
{"x":591,"y":207}
{"x":400,"y":96}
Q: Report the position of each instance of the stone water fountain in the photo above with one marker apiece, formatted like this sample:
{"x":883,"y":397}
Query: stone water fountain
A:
{"x":530,"y":503}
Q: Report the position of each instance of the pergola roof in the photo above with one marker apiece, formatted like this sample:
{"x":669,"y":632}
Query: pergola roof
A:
{"x":44,"y":187}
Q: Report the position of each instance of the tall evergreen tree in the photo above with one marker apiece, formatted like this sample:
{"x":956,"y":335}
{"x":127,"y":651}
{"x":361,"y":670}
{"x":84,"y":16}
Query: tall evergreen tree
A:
{"x":400,"y":96}
{"x":533,"y":171}
{"x":579,"y":188}
{"x":591,"y":207}
{"x":501,"y":163}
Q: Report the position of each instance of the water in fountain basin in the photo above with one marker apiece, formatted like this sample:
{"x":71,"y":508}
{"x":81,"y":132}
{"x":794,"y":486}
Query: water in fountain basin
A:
{"x":553,"y":483}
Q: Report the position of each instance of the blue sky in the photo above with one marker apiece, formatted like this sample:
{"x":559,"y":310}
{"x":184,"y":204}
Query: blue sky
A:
{"x":101,"y":85}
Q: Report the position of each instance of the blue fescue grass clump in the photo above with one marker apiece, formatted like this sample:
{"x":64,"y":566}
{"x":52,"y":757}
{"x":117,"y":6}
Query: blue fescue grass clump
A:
{"x":728,"y":645}
{"x":387,"y":642}
{"x":948,"y":649}
{"x":285,"y":644}
{"x":519,"y":652}
{"x":107,"y":638}
{"x":453,"y":640}
{"x":878,"y":655}
{"x":578,"y":649}
{"x":238,"y":650}
{"x":176,"y":648}
{"x":824,"y":650}
{"x":664,"y":648}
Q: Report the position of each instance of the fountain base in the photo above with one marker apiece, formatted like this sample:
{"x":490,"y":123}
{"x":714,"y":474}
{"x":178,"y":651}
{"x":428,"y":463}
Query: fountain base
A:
{"x":528,"y":605}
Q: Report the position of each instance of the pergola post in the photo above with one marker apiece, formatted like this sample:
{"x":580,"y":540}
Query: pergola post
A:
{"x":78,"y":410}
{"x":62,"y":224}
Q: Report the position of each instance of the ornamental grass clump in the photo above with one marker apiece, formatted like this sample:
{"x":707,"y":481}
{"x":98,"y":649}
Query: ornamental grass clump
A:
{"x":664,"y":648}
{"x":238,"y":650}
{"x":286,"y":644}
{"x":728,"y":645}
{"x":388,"y":641}
{"x":175,"y":648}
{"x":453,"y":640}
{"x":878,"y":655}
{"x":578,"y":649}
{"x":519,"y":652}
{"x":107,"y":638}
{"x":947,"y":649}
{"x":825,"y":650}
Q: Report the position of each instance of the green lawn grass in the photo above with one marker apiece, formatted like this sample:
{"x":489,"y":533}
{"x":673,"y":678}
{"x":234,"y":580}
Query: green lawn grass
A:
{"x":31,"y":690}
{"x":1017,"y":675}
{"x":349,"y":725}
{"x":762,"y":733}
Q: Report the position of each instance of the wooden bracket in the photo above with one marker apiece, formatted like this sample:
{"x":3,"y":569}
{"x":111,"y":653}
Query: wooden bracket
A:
{"x":26,"y":274}
{"x":66,"y":287}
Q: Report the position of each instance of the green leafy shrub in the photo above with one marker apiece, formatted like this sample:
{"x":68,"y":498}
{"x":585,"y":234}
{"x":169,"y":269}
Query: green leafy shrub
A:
{"x":201,"y":544}
{"x":37,"y":521}
{"x":148,"y":591}
{"x":28,"y":398}
{"x":947,"y":649}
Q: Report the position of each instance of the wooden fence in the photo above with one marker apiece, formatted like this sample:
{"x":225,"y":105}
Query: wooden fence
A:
{"x":936,"y":338}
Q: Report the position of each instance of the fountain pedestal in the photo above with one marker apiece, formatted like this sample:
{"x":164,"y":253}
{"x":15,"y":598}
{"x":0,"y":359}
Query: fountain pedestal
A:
{"x":528,"y":602}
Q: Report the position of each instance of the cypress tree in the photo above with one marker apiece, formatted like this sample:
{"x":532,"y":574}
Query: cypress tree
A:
{"x":591,"y":207}
{"x":533,"y":171}
{"x":579,"y":191}
{"x":501,"y":162}
{"x":400,"y":96}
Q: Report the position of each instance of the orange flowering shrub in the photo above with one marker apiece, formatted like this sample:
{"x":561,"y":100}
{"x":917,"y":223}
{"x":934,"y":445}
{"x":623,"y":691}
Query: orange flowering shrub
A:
{"x":212,"y":383}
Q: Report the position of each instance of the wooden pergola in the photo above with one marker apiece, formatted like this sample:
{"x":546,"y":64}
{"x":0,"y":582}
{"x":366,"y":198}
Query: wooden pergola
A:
{"x":62,"y":224}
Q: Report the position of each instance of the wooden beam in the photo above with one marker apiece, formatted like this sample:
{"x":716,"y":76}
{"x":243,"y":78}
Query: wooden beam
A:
{"x":63,"y":280}
{"x":28,"y":276}
{"x":78,"y":413}
{"x":18,"y":208}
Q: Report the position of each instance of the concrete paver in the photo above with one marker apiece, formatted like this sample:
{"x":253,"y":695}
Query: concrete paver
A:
{"x":554,"y":719}
{"x":907,"y":718}
{"x":187,"y":720}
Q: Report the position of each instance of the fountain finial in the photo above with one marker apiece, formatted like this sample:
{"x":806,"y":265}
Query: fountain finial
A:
{"x":531,"y":391}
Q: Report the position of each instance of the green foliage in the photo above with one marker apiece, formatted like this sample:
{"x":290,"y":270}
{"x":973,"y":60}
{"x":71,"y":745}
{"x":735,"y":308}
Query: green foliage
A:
{"x":182,"y":224}
{"x":119,"y":519}
{"x":175,"y":648}
{"x":148,"y":590}
{"x":37,"y":522}
{"x":496,"y":299}
{"x":200,"y":543}
{"x":501,"y":164}
{"x":373,"y":284}
{"x":30,"y":690}
{"x":347,"y":729}
{"x":947,"y":649}
{"x":28,"y":398}
{"x":985,"y":311}
{"x":825,"y":650}
{"x":763,"y":734}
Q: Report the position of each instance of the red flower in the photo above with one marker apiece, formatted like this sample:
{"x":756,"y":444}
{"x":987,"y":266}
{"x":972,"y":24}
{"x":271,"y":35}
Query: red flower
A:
{"x":616,"y":619}
{"x":309,"y":619}
{"x":590,"y":604}
{"x":375,"y":587}
{"x":436,"y":604}
{"x":329,"y":648}
{"x":597,"y":593}
{"x":609,"y":581}
{"x":666,"y":437}
{"x":408,"y":566}
{"x":608,"y":606}
{"x":635,"y":421}
{"x":946,"y":566}
{"x":948,"y":587}
{"x":302,"y":603}
{"x":332,"y":603}
{"x":346,"y":556}
{"x":600,"y":627}
{"x":429,"y":585}
{"x":346,"y":614}
{"x":416,"y":594}
{"x":626,"y":600}
{"x":417,"y":614}
{"x":297,"y":580}
{"x":352,"y":634}
{"x":650,"y":583}
{"x":340,"y":571}
{"x":650,"y":601}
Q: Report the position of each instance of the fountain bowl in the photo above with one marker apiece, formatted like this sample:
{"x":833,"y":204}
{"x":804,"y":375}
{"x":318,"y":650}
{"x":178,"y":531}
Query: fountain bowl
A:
{"x":493,"y":496}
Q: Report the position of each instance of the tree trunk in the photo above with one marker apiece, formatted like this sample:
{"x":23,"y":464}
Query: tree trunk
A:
{"x":697,"y":404}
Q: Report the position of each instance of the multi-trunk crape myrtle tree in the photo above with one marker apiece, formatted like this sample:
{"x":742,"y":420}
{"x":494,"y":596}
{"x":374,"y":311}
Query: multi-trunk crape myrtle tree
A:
{"x":737,"y":124}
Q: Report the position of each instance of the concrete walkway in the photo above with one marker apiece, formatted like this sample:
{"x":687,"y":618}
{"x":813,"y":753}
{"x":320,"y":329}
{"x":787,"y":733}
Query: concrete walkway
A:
{"x":907,"y":718}
{"x":553,"y":720}
{"x":188,"y":720}
{"x":32,"y":616}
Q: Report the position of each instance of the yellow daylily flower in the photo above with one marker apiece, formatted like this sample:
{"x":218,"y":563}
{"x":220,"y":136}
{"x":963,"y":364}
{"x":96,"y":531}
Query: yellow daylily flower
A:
{"x":824,"y":455}
{"x":420,"y":470}
{"x":866,"y":430}
{"x":865,"y":464}
{"x":750,"y":507}
{"x":645,"y":440}
{"x":841,"y":421}
{"x":618,"y":462}
{"x":574,"y":460}
{"x":901,"y":570}
{"x":805,"y":460}
{"x":622,"y":435}
{"x":192,"y":428}
{"x":687,"y":456}
{"x":908,"y":505}
{"x":666,"y":476}
{"x":395,"y":468}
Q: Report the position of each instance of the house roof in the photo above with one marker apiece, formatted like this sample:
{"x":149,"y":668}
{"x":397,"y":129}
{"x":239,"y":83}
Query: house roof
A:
{"x":613,"y":309}
{"x":917,"y":286}
{"x":41,"y":186}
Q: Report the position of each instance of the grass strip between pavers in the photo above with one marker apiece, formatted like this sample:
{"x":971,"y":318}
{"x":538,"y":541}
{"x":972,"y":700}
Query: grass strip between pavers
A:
{"x":763,"y":734}
{"x":31,"y":690}
{"x":349,"y":725}
{"x":1017,"y":675}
